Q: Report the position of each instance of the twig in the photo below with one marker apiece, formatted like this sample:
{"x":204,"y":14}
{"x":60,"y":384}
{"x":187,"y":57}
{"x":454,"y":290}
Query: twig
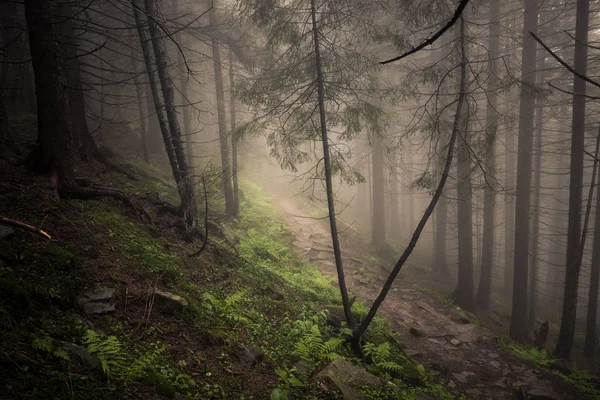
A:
{"x":435,"y":37}
{"x":22,"y":225}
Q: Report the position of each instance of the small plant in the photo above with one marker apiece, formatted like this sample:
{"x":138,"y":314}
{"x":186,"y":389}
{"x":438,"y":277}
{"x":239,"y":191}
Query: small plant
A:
{"x":310,"y":345}
{"x":228,"y":308}
{"x":381,"y":357}
{"x":48,"y":346}
{"x":286,"y":380}
{"x":117,"y":362}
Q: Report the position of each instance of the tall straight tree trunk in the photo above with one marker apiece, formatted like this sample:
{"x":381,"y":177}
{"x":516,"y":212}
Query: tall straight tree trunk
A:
{"x":484,"y":291}
{"x":53,"y":152}
{"x":234,"y":139}
{"x":186,"y":185}
{"x":566,"y":334}
{"x":183,"y":87}
{"x":441,"y":228}
{"x":509,"y":209}
{"x":395,"y":224}
{"x":139,"y":94}
{"x":378,"y":215}
{"x":535,"y":225}
{"x":464,"y":292}
{"x":225,"y":162}
{"x":328,"y":178}
{"x":591,"y":324}
{"x":519,"y":320}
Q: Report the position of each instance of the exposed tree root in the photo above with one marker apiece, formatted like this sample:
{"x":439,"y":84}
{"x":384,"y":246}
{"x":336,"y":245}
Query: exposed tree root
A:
{"x":91,"y":192}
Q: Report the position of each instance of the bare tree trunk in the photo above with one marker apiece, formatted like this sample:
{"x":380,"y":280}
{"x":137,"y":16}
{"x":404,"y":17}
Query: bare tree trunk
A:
{"x":53,"y":153}
{"x":539,"y":128}
{"x":234,"y":139}
{"x":140,"y":103}
{"x":519,"y":320}
{"x":566,"y":334}
{"x":591,"y":338}
{"x":509,"y":209}
{"x":484,"y":291}
{"x":441,"y":228}
{"x":463,"y":295}
{"x":225,"y":163}
{"x":183,"y":87}
{"x":328,"y":177}
{"x":378,"y":215}
{"x":395,"y":224}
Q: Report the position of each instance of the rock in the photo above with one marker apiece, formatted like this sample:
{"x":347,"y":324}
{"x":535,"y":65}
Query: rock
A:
{"x":6,"y":232}
{"x":495,"y":364}
{"x":275,"y":295}
{"x":474,"y":392}
{"x":416,"y":332}
{"x":459,"y":377}
{"x":426,"y":307}
{"x":169,"y":303}
{"x":344,"y":377}
{"x":413,"y":353}
{"x":301,"y":368}
{"x":455,"y":342}
{"x":540,"y":394}
{"x":462,"y":319}
{"x":500,"y":383}
{"x":81,"y":356}
{"x":467,"y":373}
{"x":493,"y":355}
{"x":98,"y":300}
{"x":249,"y":356}
{"x":451,"y":384}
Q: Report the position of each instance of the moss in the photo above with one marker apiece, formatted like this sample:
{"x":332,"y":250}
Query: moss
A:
{"x":138,"y":244}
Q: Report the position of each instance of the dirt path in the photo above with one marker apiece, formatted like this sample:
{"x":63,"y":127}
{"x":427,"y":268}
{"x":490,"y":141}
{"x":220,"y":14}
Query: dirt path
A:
{"x":466,"y":357}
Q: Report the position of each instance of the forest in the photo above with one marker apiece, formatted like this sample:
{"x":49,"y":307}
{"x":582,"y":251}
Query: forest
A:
{"x":299,"y":199}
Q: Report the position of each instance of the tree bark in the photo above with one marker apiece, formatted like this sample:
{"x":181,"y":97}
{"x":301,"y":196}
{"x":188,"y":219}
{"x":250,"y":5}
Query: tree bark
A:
{"x":535,"y":225}
{"x":566,"y":334}
{"x":53,"y":153}
{"x":328,"y":178}
{"x":484,"y":290}
{"x":591,"y":334}
{"x":464,"y":292}
{"x":220,"y":93}
{"x":519,"y":321}
{"x":395,"y":224}
{"x":234,"y":139}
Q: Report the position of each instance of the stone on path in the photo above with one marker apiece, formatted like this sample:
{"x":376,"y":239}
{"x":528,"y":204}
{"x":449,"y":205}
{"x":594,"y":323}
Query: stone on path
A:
{"x":98,"y":300}
{"x":344,"y":377}
{"x":249,"y":356}
{"x":169,"y":303}
{"x":6,"y":231}
{"x":459,"y":377}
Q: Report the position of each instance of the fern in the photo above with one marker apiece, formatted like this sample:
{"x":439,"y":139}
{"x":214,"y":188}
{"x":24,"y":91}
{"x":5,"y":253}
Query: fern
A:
{"x":311,"y":346}
{"x":229,"y":308}
{"x":117,"y":363}
{"x":381,"y":354}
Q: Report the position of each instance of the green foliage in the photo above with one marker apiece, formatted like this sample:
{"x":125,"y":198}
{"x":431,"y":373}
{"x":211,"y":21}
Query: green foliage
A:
{"x":47,"y":345}
{"x":311,"y":346}
{"x":119,"y":363}
{"x":230,"y":309}
{"x":285,"y":380}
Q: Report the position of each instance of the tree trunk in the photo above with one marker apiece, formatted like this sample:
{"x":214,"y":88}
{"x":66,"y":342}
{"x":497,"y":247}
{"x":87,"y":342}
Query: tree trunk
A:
{"x":186,"y":185}
{"x":183,"y":87}
{"x":395,"y":224}
{"x":53,"y":152}
{"x":225,"y":163}
{"x":328,"y":178}
{"x":519,"y":320}
{"x":234,"y":139}
{"x":591,"y":338}
{"x":566,"y":334}
{"x":441,"y":228}
{"x":140,"y":104}
{"x":484,"y":290}
{"x":464,"y":292}
{"x":509,"y":209}
{"x":535,"y":241}
{"x":378,"y":215}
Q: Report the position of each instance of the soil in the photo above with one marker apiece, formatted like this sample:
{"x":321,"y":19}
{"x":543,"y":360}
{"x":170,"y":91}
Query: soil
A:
{"x":467,"y":357}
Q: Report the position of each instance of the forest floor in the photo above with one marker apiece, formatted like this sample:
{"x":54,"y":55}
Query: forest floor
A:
{"x":465,"y":355}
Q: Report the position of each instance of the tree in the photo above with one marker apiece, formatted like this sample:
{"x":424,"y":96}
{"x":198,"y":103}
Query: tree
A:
{"x":591,"y":334}
{"x":566,"y":334}
{"x":234,"y":138}
{"x":378,"y":217}
{"x":464,"y":292}
{"x":225,"y":161}
{"x":53,"y":153}
{"x":484,"y":289}
{"x":519,"y":321}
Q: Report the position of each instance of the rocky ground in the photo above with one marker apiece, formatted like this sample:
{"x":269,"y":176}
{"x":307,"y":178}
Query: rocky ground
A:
{"x":467,"y":357}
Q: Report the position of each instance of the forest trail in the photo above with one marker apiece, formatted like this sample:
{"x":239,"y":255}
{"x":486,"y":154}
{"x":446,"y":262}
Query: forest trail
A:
{"x":467,"y":357}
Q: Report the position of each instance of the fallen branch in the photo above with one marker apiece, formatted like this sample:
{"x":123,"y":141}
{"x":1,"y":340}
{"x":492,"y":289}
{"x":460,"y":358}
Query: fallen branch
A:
{"x":23,"y":225}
